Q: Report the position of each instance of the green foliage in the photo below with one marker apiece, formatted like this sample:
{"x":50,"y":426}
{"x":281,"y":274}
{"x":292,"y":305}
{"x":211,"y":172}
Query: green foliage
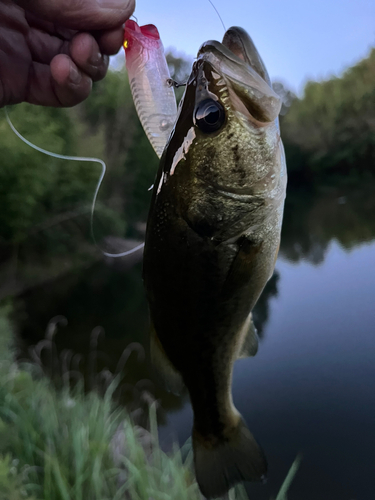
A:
{"x":179,"y":66}
{"x":179,"y":69}
{"x":26,"y":177}
{"x":282,"y":495}
{"x":65,"y":444}
{"x":330,"y":132}
{"x":142,"y":165}
{"x":35,"y":188}
{"x":11,"y":487}
{"x":110,"y":108}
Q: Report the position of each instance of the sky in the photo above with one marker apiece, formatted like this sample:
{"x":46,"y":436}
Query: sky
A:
{"x":298,"y":40}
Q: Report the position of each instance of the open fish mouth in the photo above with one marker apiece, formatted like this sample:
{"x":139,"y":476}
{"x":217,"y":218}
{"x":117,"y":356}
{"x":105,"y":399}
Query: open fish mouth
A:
{"x":238,"y":61}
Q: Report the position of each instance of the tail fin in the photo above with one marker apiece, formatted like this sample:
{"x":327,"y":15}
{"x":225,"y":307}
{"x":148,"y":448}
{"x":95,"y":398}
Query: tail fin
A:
{"x":220,"y":466}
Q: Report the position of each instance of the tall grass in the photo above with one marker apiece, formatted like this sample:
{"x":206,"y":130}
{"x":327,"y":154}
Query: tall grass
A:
{"x":68,"y":445}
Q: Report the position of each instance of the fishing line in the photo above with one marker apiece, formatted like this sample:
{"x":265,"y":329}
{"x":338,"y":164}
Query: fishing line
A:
{"x":77,"y":158}
{"x":217,"y":12}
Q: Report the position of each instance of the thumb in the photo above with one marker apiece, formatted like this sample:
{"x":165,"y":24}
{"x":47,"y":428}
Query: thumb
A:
{"x":83,"y":15}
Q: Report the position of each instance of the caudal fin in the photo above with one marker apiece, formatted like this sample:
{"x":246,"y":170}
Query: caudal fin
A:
{"x":218,"y":467}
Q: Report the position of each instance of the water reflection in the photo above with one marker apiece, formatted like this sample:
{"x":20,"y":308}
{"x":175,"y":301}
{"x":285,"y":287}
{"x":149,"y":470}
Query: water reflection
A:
{"x":312,"y":221}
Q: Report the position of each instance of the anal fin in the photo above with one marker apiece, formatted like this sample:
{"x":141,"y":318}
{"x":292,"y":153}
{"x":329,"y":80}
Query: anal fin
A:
{"x":165,"y":373}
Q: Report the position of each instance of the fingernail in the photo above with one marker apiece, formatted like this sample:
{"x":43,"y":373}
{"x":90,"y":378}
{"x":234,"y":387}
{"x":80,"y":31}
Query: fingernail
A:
{"x":74,"y":75}
{"x":96,"y":58}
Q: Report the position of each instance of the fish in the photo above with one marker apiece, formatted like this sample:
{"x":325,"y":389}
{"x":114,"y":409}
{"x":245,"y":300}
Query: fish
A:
{"x":212,"y":239}
{"x":150,"y":82}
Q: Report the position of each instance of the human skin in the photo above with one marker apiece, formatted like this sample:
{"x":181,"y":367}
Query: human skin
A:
{"x":52,"y":50}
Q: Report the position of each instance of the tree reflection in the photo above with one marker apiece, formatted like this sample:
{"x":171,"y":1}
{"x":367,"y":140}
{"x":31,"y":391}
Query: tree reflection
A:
{"x":313,"y":220}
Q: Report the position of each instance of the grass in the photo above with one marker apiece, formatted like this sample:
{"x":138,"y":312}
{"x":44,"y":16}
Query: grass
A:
{"x":68,"y":445}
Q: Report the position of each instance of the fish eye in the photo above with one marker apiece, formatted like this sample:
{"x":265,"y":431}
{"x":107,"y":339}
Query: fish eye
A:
{"x":209,"y":115}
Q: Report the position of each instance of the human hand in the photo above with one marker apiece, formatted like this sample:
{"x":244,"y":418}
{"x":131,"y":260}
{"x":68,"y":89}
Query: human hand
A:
{"x":52,"y":51}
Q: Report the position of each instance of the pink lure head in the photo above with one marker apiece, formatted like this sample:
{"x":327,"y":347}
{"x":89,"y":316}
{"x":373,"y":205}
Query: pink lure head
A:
{"x":140,"y":37}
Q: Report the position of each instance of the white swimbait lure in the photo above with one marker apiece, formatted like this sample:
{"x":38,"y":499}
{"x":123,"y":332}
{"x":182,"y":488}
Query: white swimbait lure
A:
{"x":150,"y":85}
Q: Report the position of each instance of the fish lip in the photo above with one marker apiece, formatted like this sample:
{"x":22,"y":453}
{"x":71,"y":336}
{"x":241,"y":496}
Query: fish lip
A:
{"x":215,"y":46}
{"x":224,"y":59}
{"x":235,"y":37}
{"x":236,"y":46}
{"x":237,"y":41}
{"x":226,"y":63}
{"x":238,"y":61}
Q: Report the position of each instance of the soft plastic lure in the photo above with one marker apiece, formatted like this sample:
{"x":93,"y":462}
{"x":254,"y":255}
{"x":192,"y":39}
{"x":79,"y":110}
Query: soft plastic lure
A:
{"x":150,"y":85}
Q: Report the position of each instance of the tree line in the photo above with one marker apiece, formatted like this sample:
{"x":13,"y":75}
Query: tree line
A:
{"x":329,"y":133}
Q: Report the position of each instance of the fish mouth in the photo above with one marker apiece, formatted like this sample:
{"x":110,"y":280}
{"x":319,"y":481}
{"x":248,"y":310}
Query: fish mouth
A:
{"x":238,"y":41}
{"x":239,"y":62}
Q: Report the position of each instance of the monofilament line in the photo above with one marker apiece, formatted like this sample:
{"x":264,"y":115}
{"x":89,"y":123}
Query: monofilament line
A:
{"x":77,"y":158}
{"x":217,"y":12}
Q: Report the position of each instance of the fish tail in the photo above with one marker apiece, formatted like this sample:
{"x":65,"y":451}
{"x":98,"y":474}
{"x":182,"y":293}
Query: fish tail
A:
{"x":222,"y":464}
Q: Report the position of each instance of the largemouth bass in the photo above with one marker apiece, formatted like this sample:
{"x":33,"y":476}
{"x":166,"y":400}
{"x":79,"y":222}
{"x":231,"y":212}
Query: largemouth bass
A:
{"x":212,"y":239}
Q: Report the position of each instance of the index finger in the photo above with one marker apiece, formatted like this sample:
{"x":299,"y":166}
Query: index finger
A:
{"x":83,"y":15}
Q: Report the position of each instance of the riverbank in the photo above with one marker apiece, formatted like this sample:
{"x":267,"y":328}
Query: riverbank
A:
{"x":65,"y":444}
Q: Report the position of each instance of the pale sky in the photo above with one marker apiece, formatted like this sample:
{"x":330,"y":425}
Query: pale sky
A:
{"x":298,"y":40}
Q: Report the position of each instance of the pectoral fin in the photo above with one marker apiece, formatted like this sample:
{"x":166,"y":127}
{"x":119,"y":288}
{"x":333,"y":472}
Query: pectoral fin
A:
{"x":244,"y":272}
{"x":165,"y":373}
{"x":250,"y":340}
